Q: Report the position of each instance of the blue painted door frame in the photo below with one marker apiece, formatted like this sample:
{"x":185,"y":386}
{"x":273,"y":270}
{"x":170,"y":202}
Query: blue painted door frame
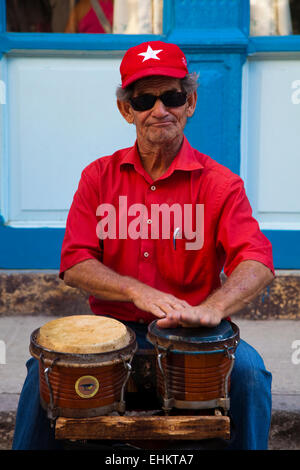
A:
{"x":215,"y":37}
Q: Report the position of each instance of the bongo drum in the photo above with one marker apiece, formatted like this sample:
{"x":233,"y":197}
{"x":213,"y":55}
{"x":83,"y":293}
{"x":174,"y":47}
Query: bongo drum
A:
{"x":194,"y":365}
{"x":84,"y":365}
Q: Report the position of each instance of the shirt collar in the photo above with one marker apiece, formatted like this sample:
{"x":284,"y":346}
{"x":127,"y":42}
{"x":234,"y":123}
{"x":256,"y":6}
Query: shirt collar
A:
{"x":186,"y":160}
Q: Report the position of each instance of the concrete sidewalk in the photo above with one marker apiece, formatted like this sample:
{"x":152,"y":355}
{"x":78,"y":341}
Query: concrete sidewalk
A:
{"x":278,"y":342}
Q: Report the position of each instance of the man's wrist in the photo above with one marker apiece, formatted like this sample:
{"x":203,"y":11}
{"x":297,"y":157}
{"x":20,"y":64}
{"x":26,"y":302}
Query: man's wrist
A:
{"x":217,"y":308}
{"x":130,"y":288}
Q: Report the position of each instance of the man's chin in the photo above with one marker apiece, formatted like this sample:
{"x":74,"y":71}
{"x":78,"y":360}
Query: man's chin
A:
{"x":162,"y":135}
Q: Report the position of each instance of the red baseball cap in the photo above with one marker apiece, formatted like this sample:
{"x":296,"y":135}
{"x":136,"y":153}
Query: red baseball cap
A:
{"x":152,"y":58}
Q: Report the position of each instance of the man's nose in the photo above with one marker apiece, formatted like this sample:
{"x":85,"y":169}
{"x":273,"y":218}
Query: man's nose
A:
{"x":159,"y":108}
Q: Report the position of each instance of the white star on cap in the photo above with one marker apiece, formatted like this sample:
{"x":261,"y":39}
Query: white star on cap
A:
{"x":150,"y":54}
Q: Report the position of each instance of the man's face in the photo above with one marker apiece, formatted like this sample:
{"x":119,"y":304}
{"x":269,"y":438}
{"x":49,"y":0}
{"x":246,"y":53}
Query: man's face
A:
{"x":160,"y":124}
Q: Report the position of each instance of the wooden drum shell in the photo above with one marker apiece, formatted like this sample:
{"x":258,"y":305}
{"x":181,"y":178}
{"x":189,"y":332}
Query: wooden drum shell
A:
{"x":68,"y":402}
{"x":194,"y":378}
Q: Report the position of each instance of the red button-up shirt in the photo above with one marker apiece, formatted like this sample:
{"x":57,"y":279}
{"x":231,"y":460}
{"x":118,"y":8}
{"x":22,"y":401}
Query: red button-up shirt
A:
{"x":118,"y":185}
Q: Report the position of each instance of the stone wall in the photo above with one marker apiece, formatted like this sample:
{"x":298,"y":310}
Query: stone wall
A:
{"x":39,"y":293}
{"x":43,"y":293}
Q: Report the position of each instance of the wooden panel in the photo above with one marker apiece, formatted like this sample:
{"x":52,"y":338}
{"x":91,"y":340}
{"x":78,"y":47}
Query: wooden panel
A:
{"x":271,"y":136}
{"x":58,"y":130}
{"x":144,"y":427}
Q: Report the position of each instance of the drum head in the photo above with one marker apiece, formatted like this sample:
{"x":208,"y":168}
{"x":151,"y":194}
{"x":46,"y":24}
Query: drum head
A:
{"x":83,"y":334}
{"x":192,"y":338}
{"x":194,"y":335}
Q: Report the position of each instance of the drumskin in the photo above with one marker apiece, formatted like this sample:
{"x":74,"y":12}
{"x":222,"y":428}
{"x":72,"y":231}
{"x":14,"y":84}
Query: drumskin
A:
{"x":83,"y":334}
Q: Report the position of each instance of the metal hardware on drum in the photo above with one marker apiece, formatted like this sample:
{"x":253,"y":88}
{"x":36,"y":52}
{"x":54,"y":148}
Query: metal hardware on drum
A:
{"x":231,"y":356}
{"x":51,"y":410}
{"x":128,"y":367}
{"x":168,"y":403}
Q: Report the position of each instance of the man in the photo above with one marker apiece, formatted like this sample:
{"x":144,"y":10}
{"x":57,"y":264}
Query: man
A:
{"x":152,"y":226}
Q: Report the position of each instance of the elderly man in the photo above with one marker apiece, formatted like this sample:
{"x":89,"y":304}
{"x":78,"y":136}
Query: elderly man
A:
{"x":137,"y":262}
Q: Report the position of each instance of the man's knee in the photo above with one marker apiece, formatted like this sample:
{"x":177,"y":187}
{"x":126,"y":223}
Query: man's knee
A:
{"x":249,"y":368}
{"x":32,"y":366}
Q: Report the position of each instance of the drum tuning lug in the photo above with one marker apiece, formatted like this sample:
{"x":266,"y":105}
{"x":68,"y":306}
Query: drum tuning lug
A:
{"x":51,"y":410}
{"x":52,"y":417}
{"x":168,"y":402}
{"x":229,"y":354}
{"x":167,"y":405}
{"x":128,"y":368}
{"x":224,"y":403}
{"x":122,"y":407}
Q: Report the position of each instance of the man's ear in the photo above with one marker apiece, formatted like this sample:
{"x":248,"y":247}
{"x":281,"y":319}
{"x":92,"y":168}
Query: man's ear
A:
{"x":126,"y":110}
{"x":191,"y":101}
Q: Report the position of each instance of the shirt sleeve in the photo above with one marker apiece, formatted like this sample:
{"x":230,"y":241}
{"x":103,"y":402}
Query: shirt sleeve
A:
{"x":238,"y":233}
{"x":80,"y":240}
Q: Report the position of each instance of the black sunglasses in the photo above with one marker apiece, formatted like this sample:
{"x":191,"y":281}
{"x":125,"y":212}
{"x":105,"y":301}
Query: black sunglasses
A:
{"x":170,"y":98}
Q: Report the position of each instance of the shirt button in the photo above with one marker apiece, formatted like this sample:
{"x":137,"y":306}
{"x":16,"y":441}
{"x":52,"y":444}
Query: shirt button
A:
{"x":149,"y":221}
{"x":141,"y":321}
{"x":146,"y":254}
{"x":153,"y":188}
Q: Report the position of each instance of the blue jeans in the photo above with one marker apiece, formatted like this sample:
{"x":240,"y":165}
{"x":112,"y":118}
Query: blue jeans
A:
{"x":250,"y":403}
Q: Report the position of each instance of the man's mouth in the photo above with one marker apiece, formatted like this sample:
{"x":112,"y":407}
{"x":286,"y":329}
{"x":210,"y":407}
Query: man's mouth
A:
{"x":161,"y":124}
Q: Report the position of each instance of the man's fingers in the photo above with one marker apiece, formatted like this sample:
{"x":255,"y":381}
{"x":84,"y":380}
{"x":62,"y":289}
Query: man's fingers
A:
{"x":191,"y":317}
{"x":170,"y":321}
{"x":157,"y":311}
{"x":161,"y":305}
{"x":183,"y":318}
{"x":188,"y":318}
{"x":169,"y":306}
{"x":178,"y":304}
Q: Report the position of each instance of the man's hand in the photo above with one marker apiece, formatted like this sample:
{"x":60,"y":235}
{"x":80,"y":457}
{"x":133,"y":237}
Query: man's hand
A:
{"x":200,"y":315}
{"x":156,"y":302}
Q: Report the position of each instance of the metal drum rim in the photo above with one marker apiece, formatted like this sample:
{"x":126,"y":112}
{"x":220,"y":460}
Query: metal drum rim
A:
{"x":82,"y":412}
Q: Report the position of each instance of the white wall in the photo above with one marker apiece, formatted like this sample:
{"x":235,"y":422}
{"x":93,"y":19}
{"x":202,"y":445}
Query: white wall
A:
{"x":271,"y":139}
{"x":60,"y":115}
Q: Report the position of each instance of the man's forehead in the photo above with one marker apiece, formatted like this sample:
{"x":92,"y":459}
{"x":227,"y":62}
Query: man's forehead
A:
{"x":156,"y":82}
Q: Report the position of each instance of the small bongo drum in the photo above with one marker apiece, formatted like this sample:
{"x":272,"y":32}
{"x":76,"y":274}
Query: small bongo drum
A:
{"x":194,"y":365}
{"x":84,"y":365}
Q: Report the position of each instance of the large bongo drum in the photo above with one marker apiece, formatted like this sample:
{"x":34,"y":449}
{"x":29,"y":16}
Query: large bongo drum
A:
{"x":194,"y":365}
{"x":84,"y":365}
